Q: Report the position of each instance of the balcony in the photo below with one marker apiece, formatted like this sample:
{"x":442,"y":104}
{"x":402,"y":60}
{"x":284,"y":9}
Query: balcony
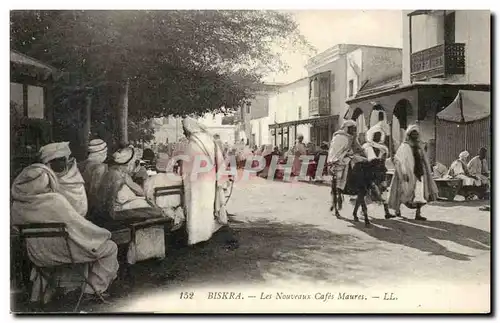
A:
{"x":319,"y":106}
{"x":438,"y":61}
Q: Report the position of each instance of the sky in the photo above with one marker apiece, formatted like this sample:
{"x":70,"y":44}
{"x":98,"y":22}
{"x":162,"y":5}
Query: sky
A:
{"x":326,"y":28}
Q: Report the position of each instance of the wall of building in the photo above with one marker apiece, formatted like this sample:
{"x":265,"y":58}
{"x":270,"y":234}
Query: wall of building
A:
{"x":354,"y":71}
{"x":380,"y":63}
{"x":260,"y":129}
{"x":472,"y":27}
{"x":427,"y":31}
{"x":285,"y":103}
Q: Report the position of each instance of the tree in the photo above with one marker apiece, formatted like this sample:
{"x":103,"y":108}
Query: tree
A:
{"x":175,"y":62}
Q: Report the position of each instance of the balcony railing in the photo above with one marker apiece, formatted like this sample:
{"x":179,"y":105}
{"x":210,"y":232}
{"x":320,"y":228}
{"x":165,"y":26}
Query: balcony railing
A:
{"x":319,"y":106}
{"x":438,"y":61}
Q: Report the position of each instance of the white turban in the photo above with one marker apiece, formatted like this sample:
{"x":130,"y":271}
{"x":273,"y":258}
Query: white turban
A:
{"x":192,"y":126}
{"x":34,"y":179}
{"x":98,"y":150}
{"x":463,"y":154}
{"x":124,"y":156}
{"x":55,"y":150}
{"x":348,"y":123}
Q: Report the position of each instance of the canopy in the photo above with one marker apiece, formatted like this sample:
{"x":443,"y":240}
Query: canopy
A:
{"x":468,"y":106}
{"x":28,"y":65}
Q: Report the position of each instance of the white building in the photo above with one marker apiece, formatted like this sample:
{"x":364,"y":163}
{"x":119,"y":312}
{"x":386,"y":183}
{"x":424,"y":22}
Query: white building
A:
{"x":288,"y":107}
{"x":169,"y":129}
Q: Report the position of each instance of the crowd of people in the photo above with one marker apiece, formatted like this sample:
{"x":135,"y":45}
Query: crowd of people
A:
{"x":105,"y":193}
{"x":413,"y":182}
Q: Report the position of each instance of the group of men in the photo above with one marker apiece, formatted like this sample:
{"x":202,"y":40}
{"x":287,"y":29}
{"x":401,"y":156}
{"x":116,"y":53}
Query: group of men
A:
{"x":474,"y":173}
{"x":412,"y":183}
{"x":102,"y":194}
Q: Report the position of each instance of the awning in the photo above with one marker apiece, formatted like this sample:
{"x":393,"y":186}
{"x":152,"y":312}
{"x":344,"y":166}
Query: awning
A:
{"x":28,"y":65}
{"x":425,"y":12}
{"x":313,"y":121}
{"x":468,"y":106}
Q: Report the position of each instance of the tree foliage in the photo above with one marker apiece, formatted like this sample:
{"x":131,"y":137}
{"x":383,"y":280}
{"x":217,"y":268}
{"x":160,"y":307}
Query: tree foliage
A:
{"x":178,"y":62}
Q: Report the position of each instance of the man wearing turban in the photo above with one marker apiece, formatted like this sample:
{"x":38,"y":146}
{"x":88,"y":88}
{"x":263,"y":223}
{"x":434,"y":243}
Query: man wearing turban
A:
{"x":478,"y":167}
{"x":344,"y":149}
{"x":93,"y":170}
{"x":37,"y":199}
{"x":412,"y":183}
{"x":459,"y":169}
{"x":121,"y":201}
{"x":57,"y":156}
{"x":205,"y":209}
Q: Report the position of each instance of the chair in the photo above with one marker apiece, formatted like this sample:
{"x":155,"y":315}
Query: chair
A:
{"x":55,"y":230}
{"x":169,"y":190}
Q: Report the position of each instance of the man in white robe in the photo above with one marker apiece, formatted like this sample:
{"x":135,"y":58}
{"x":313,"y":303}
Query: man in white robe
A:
{"x":205,"y":209}
{"x":93,"y":170}
{"x":57,"y":156}
{"x":344,"y":149}
{"x":122,"y":201}
{"x":458,"y":169}
{"x":382,"y":127}
{"x":36,"y":198}
{"x":478,"y":167}
{"x":412,"y":183}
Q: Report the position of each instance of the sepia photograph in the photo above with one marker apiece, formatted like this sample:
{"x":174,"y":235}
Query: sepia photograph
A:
{"x":250,"y":161}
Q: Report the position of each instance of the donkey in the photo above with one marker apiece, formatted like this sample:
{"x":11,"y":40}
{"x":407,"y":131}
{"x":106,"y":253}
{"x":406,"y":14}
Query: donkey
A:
{"x":364,"y":178}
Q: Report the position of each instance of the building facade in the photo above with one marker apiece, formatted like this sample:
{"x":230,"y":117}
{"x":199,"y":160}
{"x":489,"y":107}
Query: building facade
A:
{"x":251,"y":119}
{"x":289,"y":113}
{"x":445,"y":52}
{"x":338,"y":74}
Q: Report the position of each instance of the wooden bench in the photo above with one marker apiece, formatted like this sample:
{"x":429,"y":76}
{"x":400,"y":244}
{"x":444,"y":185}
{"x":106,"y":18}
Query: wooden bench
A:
{"x":448,"y":188}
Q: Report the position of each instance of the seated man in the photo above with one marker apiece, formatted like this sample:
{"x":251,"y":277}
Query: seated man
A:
{"x":36,"y":199}
{"x":478,"y":167}
{"x":122,"y":201}
{"x":439,"y":170}
{"x":93,"y":170}
{"x":57,"y":156}
{"x":458,"y":169}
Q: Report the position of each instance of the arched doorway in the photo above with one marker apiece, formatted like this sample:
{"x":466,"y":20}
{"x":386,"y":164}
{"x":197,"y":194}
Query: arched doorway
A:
{"x":358,"y":116}
{"x":400,"y":115}
{"x":376,"y":112}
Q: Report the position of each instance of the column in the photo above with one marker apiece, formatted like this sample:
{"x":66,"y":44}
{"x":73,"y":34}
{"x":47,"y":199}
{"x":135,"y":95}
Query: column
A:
{"x":288,"y":136}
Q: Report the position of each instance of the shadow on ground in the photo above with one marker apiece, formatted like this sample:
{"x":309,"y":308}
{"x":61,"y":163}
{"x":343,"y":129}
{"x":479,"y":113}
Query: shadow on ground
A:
{"x":420,"y":234}
{"x":475,"y":203}
{"x":268,"y":250}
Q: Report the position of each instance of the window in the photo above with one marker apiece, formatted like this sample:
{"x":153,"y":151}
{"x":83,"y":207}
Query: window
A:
{"x":351,"y":88}
{"x":449,"y":28}
{"x":300,"y":113}
{"x":16,"y":96}
{"x":35,"y":102}
{"x":248,"y":108}
{"x":323,"y":87}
